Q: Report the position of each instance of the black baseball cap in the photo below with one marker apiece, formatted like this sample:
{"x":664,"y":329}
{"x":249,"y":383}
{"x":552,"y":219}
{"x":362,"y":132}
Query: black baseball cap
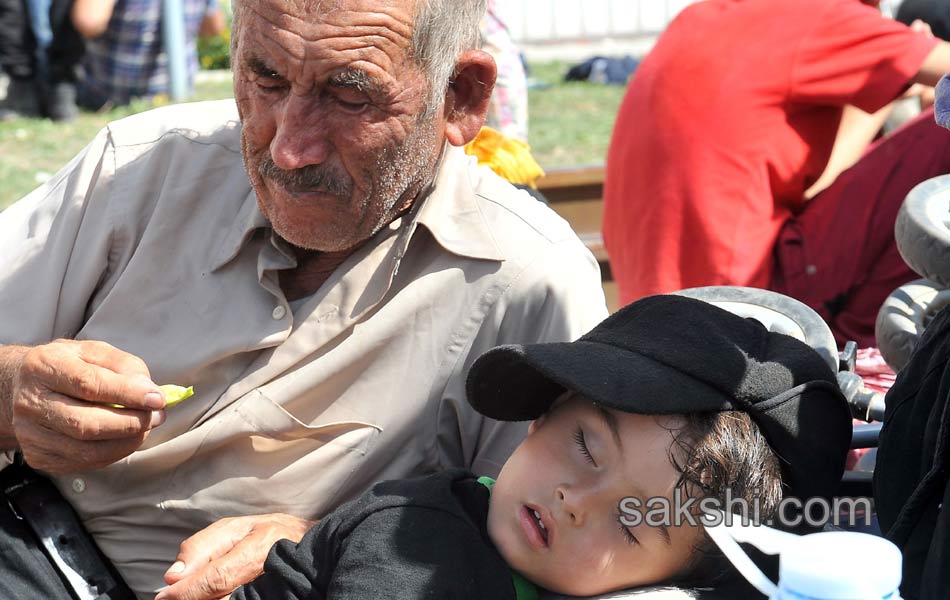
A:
{"x":670,"y":354}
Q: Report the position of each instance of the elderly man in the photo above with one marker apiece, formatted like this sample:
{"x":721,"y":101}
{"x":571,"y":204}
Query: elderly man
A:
{"x":326,"y":312}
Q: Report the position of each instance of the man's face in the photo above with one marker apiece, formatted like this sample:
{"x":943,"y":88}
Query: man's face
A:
{"x":331,"y":106}
{"x":573,"y":470}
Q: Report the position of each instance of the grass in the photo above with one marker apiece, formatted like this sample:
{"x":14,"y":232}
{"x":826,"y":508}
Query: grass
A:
{"x":570,"y":125}
{"x":570,"y":122}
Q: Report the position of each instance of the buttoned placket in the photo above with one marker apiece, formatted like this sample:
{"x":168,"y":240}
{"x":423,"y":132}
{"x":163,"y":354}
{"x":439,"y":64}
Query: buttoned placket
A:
{"x":355,"y":287}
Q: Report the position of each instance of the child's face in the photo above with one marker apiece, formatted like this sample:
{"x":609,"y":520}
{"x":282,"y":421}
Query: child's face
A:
{"x":572,"y":471}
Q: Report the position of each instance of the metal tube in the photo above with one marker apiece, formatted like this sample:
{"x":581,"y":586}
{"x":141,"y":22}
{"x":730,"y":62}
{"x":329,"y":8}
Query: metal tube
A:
{"x":173,"y":33}
{"x":865,"y":436}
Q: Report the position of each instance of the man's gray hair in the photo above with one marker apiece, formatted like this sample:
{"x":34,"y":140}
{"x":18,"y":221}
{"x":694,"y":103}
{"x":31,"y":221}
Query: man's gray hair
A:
{"x":443,"y":29}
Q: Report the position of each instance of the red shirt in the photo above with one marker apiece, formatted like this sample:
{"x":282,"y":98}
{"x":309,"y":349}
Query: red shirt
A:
{"x":727,"y":122}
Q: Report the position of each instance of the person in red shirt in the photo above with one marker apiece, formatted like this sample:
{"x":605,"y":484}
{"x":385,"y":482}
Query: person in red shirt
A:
{"x":715,"y":170}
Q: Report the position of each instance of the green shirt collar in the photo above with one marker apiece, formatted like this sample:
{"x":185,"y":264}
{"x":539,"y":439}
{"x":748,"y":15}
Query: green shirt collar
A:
{"x":524,"y":589}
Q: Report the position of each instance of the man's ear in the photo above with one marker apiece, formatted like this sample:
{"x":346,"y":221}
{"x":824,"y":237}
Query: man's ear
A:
{"x":466,"y":102}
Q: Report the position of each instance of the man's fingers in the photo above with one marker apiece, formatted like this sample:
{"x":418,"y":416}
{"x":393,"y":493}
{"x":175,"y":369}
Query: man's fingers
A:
{"x":82,"y":405}
{"x":210,"y":543}
{"x":227,"y":554}
{"x":110,"y":357}
{"x":81,"y":421}
{"x":71,"y":373}
{"x":51,"y":452}
{"x":219,"y":577}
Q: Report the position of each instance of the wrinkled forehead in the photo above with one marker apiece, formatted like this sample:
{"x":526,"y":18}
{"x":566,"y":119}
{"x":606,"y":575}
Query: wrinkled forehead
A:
{"x":340,"y":13}
{"x":316,"y":9}
{"x":305,"y":39}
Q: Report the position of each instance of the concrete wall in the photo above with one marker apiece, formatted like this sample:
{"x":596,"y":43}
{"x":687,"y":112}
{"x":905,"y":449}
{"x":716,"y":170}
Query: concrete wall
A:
{"x":557,"y":21}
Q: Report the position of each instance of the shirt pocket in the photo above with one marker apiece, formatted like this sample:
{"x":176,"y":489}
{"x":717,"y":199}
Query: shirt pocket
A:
{"x":258,"y":457}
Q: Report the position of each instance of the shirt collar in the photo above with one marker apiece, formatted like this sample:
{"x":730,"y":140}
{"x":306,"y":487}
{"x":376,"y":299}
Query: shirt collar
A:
{"x":249,"y":219}
{"x":450,"y":213}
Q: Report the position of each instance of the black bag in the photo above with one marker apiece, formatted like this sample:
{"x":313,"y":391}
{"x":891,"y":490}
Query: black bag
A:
{"x":47,"y":530}
{"x":911,"y":474}
{"x":603,"y":69}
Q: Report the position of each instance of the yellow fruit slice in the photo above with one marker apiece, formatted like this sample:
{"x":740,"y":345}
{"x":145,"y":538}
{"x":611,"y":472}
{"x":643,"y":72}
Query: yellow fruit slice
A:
{"x":173,"y":394}
{"x":176,"y":393}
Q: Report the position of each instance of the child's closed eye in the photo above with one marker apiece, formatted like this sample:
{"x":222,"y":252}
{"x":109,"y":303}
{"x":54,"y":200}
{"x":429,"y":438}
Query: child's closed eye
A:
{"x":581,"y":442}
{"x":627,"y":534}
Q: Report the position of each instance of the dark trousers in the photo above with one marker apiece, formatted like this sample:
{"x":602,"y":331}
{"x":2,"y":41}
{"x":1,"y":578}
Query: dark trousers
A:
{"x":18,"y":44}
{"x":35,"y":517}
{"x":25,"y":571}
{"x":839,"y":255}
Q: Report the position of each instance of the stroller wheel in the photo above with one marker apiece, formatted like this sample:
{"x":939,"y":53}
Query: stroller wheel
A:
{"x":777,"y":312}
{"x":922,"y":230}
{"x":904,"y":316}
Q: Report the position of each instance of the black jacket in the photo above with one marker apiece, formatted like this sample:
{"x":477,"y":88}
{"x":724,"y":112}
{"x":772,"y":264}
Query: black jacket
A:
{"x":911,"y":486}
{"x":410,"y":538}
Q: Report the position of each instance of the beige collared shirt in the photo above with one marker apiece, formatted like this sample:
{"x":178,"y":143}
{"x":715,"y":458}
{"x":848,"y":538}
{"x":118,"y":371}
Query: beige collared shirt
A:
{"x":151,"y":240}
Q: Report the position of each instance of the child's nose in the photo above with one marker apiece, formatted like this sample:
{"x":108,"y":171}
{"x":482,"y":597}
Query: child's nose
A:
{"x":575,"y":502}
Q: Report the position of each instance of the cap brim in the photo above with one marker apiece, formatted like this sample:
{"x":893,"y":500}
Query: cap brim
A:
{"x":519,"y":383}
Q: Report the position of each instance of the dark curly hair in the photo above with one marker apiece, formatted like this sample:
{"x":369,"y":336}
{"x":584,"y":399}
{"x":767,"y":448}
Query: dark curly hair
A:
{"x":717,"y":453}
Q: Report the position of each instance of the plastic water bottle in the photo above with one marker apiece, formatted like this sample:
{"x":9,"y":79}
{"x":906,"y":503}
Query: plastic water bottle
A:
{"x":836,"y":565}
{"x":839,"y":565}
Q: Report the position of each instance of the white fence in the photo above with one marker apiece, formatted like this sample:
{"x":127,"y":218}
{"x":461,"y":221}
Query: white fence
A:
{"x":558,"y":21}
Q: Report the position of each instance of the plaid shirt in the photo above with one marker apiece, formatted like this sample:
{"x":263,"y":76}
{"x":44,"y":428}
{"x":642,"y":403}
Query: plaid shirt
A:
{"x":129,"y":59}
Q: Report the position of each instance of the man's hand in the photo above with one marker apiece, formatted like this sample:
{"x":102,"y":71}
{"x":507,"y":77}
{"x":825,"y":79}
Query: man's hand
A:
{"x":227,"y":554}
{"x":59,"y":406}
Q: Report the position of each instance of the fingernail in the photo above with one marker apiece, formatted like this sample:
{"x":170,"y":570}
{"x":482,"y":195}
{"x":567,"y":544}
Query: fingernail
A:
{"x":158,"y":417}
{"x":178,"y":567}
{"x":154,"y":400}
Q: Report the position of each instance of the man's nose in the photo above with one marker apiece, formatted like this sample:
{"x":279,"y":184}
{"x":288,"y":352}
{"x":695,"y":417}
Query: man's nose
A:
{"x":301,"y":138}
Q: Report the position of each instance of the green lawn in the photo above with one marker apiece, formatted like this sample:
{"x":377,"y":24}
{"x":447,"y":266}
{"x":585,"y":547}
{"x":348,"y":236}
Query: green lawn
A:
{"x":570,"y":125}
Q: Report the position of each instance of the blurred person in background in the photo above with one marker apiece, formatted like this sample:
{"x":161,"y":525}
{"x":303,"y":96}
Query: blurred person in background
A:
{"x":508,"y":111}
{"x":743,"y":155}
{"x":125,"y":53}
{"x":39,"y":52}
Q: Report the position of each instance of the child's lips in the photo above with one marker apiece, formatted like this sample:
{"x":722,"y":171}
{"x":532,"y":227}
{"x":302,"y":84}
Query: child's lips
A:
{"x":536,"y":526}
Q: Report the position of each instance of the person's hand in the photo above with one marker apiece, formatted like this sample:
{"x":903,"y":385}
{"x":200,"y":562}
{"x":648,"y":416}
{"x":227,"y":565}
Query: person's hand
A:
{"x":916,"y":90}
{"x":227,"y":554}
{"x":922,"y":27}
{"x":60,"y":411}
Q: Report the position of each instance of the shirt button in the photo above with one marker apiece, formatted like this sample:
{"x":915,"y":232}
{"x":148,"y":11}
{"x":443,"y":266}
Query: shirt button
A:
{"x":811,"y":269}
{"x":279,"y":313}
{"x":79,"y":485}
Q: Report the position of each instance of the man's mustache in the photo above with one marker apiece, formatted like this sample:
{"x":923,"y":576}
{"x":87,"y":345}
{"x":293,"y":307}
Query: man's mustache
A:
{"x":313,"y":178}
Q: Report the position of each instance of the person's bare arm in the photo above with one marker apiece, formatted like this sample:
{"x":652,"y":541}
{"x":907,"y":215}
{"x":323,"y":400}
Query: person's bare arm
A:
{"x":935,"y":66}
{"x":56,"y":404}
{"x":856,"y":131}
{"x":91,"y":17}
